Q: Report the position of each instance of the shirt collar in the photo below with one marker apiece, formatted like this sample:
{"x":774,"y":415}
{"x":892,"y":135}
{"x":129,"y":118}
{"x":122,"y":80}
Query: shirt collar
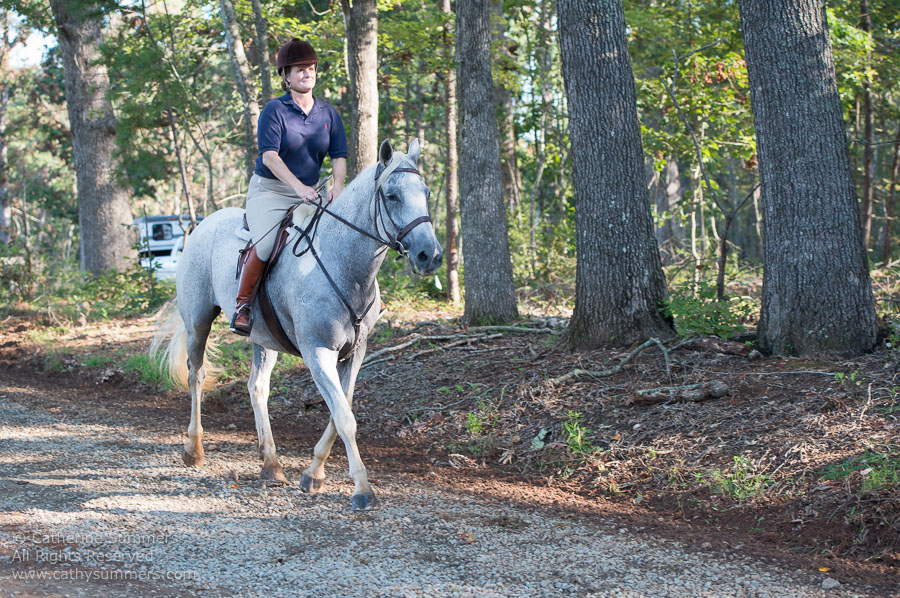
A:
{"x":287,"y":100}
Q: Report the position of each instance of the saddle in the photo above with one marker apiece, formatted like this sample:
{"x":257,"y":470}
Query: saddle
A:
{"x":282,"y":234}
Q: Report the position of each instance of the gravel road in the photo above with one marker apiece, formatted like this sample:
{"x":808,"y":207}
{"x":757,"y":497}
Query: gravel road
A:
{"x":87,"y":507}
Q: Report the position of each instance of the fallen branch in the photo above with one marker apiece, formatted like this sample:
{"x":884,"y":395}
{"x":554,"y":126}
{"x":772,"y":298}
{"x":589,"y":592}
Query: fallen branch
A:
{"x":718,"y":345}
{"x":465,"y":341}
{"x":517,"y":329}
{"x":600,"y":374}
{"x":692,"y":393}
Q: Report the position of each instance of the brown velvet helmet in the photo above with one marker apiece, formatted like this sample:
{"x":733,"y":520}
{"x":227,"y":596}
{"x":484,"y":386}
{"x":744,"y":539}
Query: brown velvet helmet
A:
{"x":296,"y":52}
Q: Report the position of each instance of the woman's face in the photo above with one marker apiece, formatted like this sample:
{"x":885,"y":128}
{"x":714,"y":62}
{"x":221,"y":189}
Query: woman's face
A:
{"x":302,"y":79}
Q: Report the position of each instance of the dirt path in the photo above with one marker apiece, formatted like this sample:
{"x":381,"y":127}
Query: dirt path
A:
{"x":93,"y":497}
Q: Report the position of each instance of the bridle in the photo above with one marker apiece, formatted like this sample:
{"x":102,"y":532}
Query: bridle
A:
{"x":394,"y":242}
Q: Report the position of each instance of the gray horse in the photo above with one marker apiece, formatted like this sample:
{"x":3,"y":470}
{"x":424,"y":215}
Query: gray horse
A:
{"x":389,"y":209}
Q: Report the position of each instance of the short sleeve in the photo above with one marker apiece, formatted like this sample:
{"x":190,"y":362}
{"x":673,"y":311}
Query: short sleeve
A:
{"x":270,"y":128}
{"x":338,"y":145}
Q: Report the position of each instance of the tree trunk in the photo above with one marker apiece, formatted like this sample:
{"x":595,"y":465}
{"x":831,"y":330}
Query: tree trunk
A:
{"x":244,"y":81}
{"x":103,"y":206}
{"x":490,"y":292}
{"x":891,"y":202}
{"x":450,"y":246}
{"x":5,"y":208}
{"x":817,"y":296}
{"x":262,"y":48}
{"x":868,"y":190}
{"x":668,"y":194}
{"x":361,"y":26}
{"x":505,"y":63}
{"x":619,"y":283}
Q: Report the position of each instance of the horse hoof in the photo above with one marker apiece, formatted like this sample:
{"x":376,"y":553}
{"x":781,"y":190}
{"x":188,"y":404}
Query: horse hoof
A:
{"x":363,"y":502}
{"x":193,"y":458}
{"x":273,"y":473}
{"x":311,"y":485}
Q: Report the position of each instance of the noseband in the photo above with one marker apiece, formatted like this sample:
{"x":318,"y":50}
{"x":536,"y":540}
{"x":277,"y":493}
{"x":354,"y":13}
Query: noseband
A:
{"x":394,"y":243}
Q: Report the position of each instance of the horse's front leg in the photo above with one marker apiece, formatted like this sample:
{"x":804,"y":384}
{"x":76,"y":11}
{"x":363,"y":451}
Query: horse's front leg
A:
{"x":323,"y":367}
{"x":260,"y":374}
{"x":313,"y":479}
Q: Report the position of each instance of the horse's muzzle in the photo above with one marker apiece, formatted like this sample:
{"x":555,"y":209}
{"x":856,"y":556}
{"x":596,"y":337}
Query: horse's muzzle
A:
{"x":426,"y":262}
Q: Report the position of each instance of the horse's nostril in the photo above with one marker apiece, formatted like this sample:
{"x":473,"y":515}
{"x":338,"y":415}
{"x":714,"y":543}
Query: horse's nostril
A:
{"x":422,"y":257}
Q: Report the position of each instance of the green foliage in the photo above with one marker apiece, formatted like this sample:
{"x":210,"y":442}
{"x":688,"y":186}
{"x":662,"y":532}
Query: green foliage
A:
{"x":743,"y":481}
{"x":148,"y":371}
{"x":474,"y":424}
{"x":577,"y":436}
{"x":880,"y":470}
{"x":702,"y":314}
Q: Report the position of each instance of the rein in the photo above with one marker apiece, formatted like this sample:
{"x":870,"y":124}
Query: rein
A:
{"x":394,"y":243}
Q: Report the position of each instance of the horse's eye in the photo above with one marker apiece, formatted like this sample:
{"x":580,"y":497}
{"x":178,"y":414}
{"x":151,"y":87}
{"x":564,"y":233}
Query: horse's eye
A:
{"x":393,"y":197}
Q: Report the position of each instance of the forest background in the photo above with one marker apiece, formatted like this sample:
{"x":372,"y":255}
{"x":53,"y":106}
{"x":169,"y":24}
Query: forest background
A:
{"x":181,"y":120}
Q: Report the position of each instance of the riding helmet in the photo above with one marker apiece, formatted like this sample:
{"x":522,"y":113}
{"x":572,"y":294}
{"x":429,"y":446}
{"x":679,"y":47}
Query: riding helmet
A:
{"x":296,"y":52}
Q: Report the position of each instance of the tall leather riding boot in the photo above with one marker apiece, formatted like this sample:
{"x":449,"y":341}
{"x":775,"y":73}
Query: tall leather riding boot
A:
{"x":254,"y":267}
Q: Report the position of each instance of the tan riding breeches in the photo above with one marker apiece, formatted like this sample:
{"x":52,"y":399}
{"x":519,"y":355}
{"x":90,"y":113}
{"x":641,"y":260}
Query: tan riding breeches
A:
{"x":267,"y":202}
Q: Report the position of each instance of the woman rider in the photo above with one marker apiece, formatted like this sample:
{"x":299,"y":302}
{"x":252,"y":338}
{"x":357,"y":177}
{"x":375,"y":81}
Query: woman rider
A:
{"x":295,"y":132}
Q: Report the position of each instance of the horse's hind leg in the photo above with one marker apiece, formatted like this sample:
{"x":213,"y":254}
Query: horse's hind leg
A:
{"x":313,"y":479}
{"x":260,"y":374}
{"x":195,"y":341}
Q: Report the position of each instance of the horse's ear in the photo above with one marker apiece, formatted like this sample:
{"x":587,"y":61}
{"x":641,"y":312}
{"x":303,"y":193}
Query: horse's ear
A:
{"x":385,"y":152}
{"x":413,"y":151}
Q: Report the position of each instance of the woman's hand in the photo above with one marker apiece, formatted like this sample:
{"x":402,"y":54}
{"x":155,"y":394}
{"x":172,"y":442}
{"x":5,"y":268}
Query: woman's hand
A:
{"x":334,"y":191}
{"x":307,"y":194}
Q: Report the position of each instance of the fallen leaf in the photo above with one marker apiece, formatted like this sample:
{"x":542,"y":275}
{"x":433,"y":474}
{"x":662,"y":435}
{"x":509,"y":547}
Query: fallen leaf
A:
{"x":824,"y":569}
{"x":233,"y":486}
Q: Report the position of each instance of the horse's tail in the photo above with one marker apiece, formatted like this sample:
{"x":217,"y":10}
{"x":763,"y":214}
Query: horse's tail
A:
{"x":173,"y":360}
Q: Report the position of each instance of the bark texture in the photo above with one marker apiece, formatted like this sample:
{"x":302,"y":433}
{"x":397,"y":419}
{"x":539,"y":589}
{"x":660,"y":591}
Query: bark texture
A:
{"x":505,"y":63}
{"x":891,"y":202}
{"x":668,"y":195}
{"x":261,"y":29}
{"x":5,"y":207}
{"x":619,"y":283}
{"x":868,"y":188}
{"x":361,"y":25}
{"x":817,"y":296}
{"x":451,"y":248}
{"x":243,"y":80}
{"x":104,"y":210}
{"x":490,"y":292}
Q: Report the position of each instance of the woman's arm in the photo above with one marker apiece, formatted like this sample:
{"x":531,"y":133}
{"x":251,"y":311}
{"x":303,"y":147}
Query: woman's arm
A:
{"x":274,"y":163}
{"x":339,"y":170}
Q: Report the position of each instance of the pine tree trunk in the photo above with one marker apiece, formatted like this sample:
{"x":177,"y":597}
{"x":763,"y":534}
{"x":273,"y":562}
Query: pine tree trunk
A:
{"x":361,"y":25}
{"x":243,"y":78}
{"x":505,"y":62}
{"x":451,"y":250}
{"x":619,"y":283}
{"x":891,"y":202}
{"x":5,"y":207}
{"x":868,"y":190}
{"x":668,"y":194}
{"x":103,"y":206}
{"x":817,"y":296}
{"x":260,"y":27}
{"x":490,"y":292}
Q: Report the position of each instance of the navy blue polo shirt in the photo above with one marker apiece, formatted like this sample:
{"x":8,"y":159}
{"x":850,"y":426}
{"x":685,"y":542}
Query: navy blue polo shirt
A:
{"x":301,"y":140}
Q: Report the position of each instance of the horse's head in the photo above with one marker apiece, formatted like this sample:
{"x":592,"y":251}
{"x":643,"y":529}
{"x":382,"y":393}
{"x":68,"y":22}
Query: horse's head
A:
{"x":406,"y":204}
